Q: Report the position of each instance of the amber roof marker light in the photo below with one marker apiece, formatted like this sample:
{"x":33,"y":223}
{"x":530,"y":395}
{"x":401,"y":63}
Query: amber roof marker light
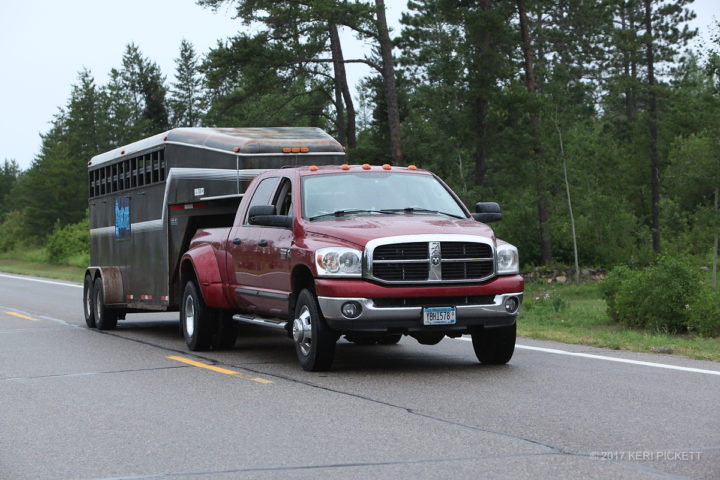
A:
{"x":366,"y":166}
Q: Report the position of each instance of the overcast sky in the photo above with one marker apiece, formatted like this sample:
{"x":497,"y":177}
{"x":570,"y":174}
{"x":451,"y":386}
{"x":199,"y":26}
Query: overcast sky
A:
{"x":45,"y":43}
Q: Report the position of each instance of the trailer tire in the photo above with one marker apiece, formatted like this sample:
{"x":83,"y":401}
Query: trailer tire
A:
{"x":88,"y":301}
{"x":314,"y":341}
{"x":494,"y":346}
{"x":105,"y":318}
{"x":195,"y":319}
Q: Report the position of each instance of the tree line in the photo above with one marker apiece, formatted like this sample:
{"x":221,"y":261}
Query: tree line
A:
{"x":593,"y":123}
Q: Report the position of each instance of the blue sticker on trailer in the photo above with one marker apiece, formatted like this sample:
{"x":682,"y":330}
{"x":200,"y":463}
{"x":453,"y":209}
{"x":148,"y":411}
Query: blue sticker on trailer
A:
{"x":122,"y":217}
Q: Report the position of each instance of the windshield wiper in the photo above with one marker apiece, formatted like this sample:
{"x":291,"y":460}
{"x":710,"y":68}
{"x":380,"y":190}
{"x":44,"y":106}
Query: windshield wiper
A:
{"x":342,"y":213}
{"x":420,"y":210}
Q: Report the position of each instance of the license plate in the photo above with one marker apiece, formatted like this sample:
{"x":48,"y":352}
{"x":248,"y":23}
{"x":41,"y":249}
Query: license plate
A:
{"x":439,"y":315}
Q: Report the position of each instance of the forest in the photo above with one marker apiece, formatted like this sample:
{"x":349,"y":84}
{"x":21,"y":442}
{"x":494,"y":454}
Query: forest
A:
{"x":594,"y":124}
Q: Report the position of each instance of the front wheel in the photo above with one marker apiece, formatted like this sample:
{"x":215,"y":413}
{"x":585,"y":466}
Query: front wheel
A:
{"x":496,"y":345}
{"x":314,"y":341}
{"x":195,"y":319}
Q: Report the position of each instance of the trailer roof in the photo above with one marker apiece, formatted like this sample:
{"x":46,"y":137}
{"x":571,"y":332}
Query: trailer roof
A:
{"x":234,"y":141}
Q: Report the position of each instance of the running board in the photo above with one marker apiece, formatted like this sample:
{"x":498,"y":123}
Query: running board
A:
{"x":266,"y":322}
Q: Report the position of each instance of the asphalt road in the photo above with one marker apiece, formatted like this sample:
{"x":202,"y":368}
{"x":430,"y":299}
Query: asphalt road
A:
{"x":135,"y":403}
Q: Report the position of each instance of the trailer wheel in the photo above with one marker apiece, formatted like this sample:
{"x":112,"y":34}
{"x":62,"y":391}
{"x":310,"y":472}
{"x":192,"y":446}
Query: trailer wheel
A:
{"x":494,"y":346}
{"x":88,"y":301}
{"x":105,"y":318}
{"x":195,"y":319}
{"x":314,"y":341}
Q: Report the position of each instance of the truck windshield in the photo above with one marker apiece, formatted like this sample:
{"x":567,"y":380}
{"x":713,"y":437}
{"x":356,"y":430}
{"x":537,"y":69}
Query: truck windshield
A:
{"x":339,"y":195}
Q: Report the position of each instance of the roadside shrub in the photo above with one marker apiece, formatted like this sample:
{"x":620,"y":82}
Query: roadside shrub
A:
{"x":68,"y":241}
{"x":12,"y":231}
{"x":610,"y":287}
{"x":705,"y":314}
{"x":657,"y":298}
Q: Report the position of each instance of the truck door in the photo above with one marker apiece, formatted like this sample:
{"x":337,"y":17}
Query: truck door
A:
{"x":260,"y":255}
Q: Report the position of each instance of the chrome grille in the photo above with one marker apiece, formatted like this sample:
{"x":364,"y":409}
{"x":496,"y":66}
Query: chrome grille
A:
{"x":436,"y":259}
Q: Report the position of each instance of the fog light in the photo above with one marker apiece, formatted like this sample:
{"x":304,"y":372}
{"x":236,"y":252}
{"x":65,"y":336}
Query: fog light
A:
{"x":511,"y":305}
{"x":351,"y":309}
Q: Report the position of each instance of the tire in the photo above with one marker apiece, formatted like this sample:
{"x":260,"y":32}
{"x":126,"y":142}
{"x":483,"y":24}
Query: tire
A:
{"x":105,"y":318}
{"x":88,"y":301}
{"x":314,"y":341}
{"x":494,"y":346}
{"x":195,"y":319}
{"x":226,"y":332}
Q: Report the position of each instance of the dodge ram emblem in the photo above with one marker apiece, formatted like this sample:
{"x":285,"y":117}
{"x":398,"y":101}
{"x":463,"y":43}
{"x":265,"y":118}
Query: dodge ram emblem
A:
{"x":435,"y":259}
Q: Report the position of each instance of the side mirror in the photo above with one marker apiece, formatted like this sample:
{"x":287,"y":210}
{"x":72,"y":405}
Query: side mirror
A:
{"x":264,"y":216}
{"x":487,"y":212}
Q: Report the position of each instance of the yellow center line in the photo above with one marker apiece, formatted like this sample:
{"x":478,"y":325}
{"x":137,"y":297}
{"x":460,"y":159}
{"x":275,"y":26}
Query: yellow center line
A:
{"x":219,"y":369}
{"x":20,"y":315}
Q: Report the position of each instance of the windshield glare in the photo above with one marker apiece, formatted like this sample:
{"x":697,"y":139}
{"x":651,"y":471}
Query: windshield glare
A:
{"x":375,"y":192}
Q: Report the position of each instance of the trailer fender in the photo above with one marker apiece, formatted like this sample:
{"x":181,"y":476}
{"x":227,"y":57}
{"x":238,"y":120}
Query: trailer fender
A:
{"x":201,"y":262}
{"x":113,"y":292}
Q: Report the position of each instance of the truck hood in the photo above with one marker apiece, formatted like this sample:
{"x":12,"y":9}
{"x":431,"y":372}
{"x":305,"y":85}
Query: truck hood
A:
{"x":361,"y":229}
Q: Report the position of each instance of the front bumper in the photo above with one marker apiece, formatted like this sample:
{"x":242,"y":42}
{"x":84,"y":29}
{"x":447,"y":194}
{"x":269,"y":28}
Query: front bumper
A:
{"x":374,"y":318}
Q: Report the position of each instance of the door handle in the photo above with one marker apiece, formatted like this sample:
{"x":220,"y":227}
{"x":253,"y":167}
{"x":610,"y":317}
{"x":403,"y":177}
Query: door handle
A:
{"x":237,"y":241}
{"x":263,"y":243}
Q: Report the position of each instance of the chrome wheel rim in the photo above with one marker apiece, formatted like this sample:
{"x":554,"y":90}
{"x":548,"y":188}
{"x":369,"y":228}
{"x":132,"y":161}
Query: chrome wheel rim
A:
{"x":189,"y":316}
{"x":98,"y":306}
{"x":302,"y":331}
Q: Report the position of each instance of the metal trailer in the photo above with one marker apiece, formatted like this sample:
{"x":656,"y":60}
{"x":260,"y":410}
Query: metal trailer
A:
{"x":147,"y":200}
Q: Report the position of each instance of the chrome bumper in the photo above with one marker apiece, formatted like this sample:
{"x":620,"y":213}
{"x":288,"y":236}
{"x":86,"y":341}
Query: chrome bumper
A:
{"x":332,"y":310}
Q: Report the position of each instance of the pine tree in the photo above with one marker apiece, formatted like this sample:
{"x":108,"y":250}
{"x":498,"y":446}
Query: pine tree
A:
{"x":142,"y":79}
{"x":186,"y":102}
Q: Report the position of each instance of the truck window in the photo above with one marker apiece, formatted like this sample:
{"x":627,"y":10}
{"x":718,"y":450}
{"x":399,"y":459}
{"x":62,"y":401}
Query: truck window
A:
{"x":283,"y":199}
{"x":371,"y":193}
{"x":263,"y":193}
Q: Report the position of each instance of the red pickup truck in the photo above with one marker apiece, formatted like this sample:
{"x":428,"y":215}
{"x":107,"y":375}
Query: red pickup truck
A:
{"x":366,"y":252}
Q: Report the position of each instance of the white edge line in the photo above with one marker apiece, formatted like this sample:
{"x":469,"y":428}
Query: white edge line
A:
{"x":611,"y":359}
{"x":39,"y":280}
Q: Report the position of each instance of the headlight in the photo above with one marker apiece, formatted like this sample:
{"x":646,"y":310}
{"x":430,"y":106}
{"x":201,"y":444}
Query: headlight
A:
{"x":338,"y":262}
{"x":507,"y":260}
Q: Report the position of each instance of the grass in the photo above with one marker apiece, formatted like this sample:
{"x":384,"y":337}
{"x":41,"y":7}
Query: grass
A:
{"x":561,"y":312}
{"x":577,"y":314}
{"x":34,"y":262}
